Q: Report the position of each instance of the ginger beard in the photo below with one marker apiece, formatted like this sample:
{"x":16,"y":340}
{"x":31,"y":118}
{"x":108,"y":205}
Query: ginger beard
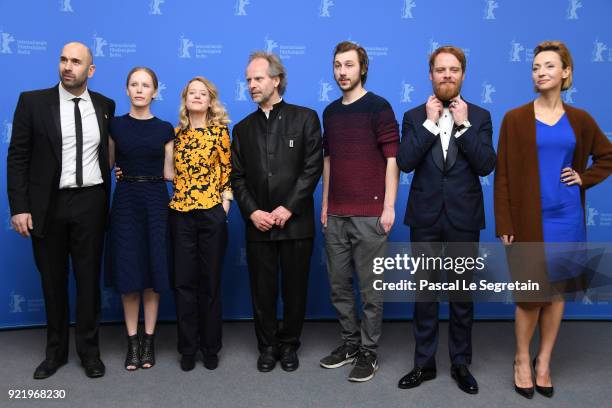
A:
{"x":447,"y":90}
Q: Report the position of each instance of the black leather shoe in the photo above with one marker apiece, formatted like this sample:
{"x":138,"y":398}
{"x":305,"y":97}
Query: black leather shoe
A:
{"x":94,"y":368}
{"x":416,"y":377}
{"x":548,"y":392}
{"x":211,"y":361}
{"x":465,"y":381}
{"x":267,"y":360}
{"x":187,"y":362}
{"x":526,"y":392}
{"x":288,"y":358}
{"x":47,"y":368}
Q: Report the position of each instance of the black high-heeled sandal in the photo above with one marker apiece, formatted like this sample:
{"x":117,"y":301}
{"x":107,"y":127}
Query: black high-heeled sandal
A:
{"x":147,"y":351}
{"x":526,"y":392}
{"x":545,"y":391}
{"x":132,"y":358}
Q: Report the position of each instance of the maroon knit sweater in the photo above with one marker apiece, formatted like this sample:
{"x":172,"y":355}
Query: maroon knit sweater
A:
{"x":358,"y":138}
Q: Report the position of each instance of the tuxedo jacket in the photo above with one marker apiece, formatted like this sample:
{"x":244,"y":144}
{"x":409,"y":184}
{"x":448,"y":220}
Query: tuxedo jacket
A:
{"x":34,"y":161}
{"x":452,"y":184}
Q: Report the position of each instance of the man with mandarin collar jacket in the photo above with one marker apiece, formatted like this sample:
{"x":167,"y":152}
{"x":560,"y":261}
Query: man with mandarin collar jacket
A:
{"x":277,"y":161}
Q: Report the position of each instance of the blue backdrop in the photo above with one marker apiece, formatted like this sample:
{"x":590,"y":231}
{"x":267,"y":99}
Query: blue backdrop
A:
{"x":181,"y":39}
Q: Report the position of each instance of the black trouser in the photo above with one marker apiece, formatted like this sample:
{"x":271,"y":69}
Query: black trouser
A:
{"x":74,"y":228}
{"x":199,"y":240}
{"x":429,"y":241}
{"x":263,"y":259}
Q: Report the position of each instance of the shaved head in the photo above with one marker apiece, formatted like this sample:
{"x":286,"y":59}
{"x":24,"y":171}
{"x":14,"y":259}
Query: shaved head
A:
{"x":78,"y":44}
{"x":75,"y":67}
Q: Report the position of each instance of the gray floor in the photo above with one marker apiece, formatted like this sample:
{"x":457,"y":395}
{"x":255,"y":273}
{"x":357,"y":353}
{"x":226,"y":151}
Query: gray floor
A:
{"x":582,"y":368}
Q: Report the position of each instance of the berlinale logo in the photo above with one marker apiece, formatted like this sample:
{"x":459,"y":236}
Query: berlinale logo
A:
{"x":487,"y":91}
{"x":241,"y":91}
{"x":515,"y":51}
{"x":591,"y":214}
{"x":490,"y":5}
{"x":240,"y":8}
{"x":7,"y":130}
{"x":324,"y":8}
{"x":270,"y":44}
{"x":324,"y":89}
{"x":568,"y":95}
{"x":154,"y":7}
{"x":66,"y":6}
{"x":598,"y":50}
{"x":572,"y":9}
{"x":407,"y":9}
{"x":185,"y":44}
{"x":98,"y":46}
{"x":5,"y":41}
{"x":160,"y":88}
{"x":15,"y":303}
{"x":405,"y":92}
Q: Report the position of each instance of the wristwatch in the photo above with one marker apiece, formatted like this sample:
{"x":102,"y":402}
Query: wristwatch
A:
{"x":466,"y":124}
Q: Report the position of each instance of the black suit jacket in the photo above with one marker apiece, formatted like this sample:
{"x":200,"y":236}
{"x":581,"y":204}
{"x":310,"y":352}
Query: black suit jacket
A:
{"x":453,"y":184}
{"x":34,"y":161}
{"x":278,"y":161}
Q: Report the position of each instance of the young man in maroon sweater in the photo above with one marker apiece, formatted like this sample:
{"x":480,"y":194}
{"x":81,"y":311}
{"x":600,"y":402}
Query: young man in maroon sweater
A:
{"x":360,"y":179}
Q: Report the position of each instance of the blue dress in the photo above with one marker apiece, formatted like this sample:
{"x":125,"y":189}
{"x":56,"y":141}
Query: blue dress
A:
{"x":562,"y":213}
{"x":137,"y":247}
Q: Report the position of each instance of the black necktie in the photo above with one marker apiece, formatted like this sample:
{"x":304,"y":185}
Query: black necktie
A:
{"x":78,"y":124}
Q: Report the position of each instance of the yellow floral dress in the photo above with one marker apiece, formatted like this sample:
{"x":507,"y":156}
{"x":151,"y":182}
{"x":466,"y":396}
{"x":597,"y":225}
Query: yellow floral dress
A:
{"x":202,"y":165}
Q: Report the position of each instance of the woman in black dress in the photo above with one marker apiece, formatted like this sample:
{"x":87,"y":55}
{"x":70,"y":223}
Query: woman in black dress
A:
{"x":137,"y":251}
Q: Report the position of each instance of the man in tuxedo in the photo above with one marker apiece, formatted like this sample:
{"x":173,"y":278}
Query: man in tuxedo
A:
{"x":277,"y":161}
{"x":447,"y":143}
{"x":58,"y":190}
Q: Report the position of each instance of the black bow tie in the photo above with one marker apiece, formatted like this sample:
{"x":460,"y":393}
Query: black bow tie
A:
{"x":446,"y":104}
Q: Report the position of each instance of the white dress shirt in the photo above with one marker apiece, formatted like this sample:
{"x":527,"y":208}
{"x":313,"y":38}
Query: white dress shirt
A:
{"x":444,"y":128}
{"x":91,"y":140}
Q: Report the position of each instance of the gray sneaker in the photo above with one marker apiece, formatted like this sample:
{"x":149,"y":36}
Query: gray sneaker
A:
{"x":344,"y":354}
{"x":365,"y":366}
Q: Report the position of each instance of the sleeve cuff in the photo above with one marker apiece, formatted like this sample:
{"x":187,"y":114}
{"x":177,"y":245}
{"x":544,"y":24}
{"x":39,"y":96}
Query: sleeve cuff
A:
{"x":431,"y":127}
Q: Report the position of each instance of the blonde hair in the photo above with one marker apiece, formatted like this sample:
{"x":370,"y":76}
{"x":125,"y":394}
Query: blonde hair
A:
{"x":216,"y":114}
{"x":566,"y":60}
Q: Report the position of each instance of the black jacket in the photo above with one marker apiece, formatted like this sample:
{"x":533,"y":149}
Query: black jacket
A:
{"x":34,"y":161}
{"x":453,"y":184}
{"x":277,"y":161}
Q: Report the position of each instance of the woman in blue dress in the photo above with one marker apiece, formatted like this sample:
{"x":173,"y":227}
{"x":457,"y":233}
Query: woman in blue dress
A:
{"x":541,"y":176}
{"x":137,"y":251}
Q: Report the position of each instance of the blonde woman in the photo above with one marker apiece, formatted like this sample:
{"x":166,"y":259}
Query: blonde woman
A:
{"x":197,"y":220}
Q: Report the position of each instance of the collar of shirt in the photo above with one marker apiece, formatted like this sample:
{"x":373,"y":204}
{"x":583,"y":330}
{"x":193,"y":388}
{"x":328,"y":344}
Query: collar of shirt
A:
{"x":67,"y":96}
{"x":274,"y":107}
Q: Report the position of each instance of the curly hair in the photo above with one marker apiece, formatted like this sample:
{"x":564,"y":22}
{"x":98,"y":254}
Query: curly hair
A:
{"x":216,"y":115}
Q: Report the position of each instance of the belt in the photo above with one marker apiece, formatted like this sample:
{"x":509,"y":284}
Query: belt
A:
{"x":141,"y":179}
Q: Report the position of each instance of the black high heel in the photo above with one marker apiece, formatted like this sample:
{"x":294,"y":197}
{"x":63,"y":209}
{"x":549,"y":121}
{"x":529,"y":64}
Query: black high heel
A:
{"x":132,"y":358}
{"x":526,"y":392}
{"x":545,"y":391}
{"x":147,"y":351}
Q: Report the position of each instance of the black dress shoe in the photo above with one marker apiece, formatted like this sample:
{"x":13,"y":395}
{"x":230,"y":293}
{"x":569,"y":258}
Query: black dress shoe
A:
{"x":211,"y":361}
{"x":465,"y":381}
{"x":47,"y":368}
{"x":267,"y":360}
{"x":187,"y":362}
{"x":526,"y":392}
{"x":548,"y":392}
{"x":416,"y":377}
{"x":94,"y":368}
{"x":288,"y":359}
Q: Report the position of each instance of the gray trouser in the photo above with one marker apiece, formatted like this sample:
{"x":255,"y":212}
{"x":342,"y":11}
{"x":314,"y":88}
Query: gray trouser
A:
{"x":351,"y":244}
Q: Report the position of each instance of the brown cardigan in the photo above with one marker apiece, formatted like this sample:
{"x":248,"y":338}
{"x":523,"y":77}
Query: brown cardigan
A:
{"x":518,"y":209}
